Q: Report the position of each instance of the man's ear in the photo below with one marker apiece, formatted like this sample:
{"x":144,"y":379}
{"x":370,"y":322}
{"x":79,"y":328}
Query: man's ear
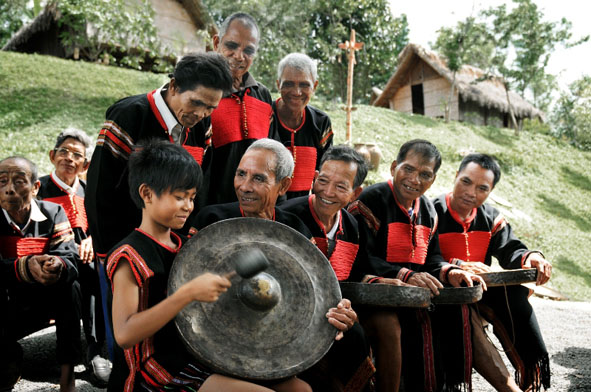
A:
{"x":315,"y":85}
{"x":85,"y":166}
{"x":356,"y":193}
{"x":146,"y":193}
{"x":285,"y":184}
{"x":52,"y":156}
{"x":216,"y":42}
{"x":35,"y":188}
{"x":393,"y":168}
{"x":278,"y":85}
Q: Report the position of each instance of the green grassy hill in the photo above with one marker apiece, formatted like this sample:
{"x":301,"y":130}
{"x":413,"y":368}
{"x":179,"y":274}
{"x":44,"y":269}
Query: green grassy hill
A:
{"x":545,"y":189}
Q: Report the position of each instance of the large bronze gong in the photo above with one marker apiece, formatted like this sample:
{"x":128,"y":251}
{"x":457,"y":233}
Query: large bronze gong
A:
{"x":271,"y":326}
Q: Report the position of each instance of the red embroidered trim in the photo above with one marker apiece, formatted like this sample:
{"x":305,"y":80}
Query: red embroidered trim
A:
{"x":428,"y":357}
{"x":74,"y":207}
{"x":14,"y":246}
{"x":156,"y":112}
{"x":342,"y":257}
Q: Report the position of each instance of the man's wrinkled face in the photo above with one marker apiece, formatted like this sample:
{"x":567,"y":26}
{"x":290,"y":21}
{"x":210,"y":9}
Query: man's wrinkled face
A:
{"x":238,"y":46}
{"x":16,"y":187}
{"x":192,"y":106}
{"x":412,"y":177}
{"x":296,"y":87}
{"x":255,"y":183}
{"x":69,"y":159}
{"x":471,"y":188}
{"x":334,"y":187}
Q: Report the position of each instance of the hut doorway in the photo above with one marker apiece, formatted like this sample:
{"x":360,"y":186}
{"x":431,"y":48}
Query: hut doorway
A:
{"x":418,"y":101}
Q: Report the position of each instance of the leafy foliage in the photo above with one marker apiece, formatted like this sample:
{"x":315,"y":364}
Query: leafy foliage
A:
{"x":112,"y":29}
{"x":15,"y":14}
{"x":572,"y":114}
{"x":316,"y":27}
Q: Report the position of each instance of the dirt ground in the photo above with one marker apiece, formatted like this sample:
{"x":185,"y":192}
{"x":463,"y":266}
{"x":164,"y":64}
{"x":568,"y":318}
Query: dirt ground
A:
{"x":565,"y":326}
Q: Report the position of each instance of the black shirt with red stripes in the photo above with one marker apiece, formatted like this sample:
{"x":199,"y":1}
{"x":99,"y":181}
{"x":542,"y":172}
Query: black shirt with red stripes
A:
{"x":484,"y":234}
{"x":240,"y":118}
{"x":307,"y":144}
{"x":111,"y":212}
{"x":399,"y":244}
{"x":345,"y":256}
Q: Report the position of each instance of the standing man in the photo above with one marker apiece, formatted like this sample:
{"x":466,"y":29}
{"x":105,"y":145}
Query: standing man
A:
{"x":303,"y":129}
{"x":403,"y":244}
{"x":244,"y":114}
{"x":470,"y":233}
{"x":178,"y":112}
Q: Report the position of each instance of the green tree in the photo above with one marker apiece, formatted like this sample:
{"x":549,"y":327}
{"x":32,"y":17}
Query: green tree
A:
{"x":316,"y":27}
{"x":14,"y":15}
{"x":572,"y":114}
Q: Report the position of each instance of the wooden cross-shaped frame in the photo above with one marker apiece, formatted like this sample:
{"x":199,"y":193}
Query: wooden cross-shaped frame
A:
{"x":350,"y":46}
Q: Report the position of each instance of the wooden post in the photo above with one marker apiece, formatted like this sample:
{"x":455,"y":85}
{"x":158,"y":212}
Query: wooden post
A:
{"x":350,"y":46}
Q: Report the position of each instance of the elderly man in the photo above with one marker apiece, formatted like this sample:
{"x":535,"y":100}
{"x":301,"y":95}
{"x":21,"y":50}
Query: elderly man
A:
{"x":70,"y":157}
{"x":470,"y":234}
{"x":403,"y":245}
{"x":38,"y":269}
{"x":245,"y":114}
{"x":305,"y":130}
{"x":263,"y":174}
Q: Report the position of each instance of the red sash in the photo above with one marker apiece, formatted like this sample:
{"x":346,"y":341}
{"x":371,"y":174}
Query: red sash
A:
{"x":342,"y":257}
{"x":13,"y":246}
{"x":402,"y":248}
{"x":305,"y":167}
{"x":471,"y":246}
{"x":196,"y":153}
{"x":74,"y":207}
{"x":238,"y":119}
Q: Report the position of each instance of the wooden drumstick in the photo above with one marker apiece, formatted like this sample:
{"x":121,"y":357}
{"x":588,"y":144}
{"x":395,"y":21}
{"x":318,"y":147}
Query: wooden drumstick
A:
{"x":249,"y":263}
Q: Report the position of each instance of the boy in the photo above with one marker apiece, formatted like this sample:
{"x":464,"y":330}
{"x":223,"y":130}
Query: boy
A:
{"x":70,"y":159}
{"x":163,"y":180}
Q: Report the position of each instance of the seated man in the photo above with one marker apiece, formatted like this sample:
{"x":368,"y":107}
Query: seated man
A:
{"x":38,"y":269}
{"x":70,"y":157}
{"x":303,"y":129}
{"x":402,"y":244}
{"x":263,"y":174}
{"x":470,"y":233}
{"x":336,"y":184}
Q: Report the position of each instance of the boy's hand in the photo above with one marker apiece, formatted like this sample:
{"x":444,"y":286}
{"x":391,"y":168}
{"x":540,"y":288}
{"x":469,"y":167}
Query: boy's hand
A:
{"x":85,"y":250}
{"x":208,"y":287}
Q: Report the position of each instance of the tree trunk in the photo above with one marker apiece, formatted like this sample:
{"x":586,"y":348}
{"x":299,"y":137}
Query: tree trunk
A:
{"x":511,"y":114}
{"x":451,"y":94}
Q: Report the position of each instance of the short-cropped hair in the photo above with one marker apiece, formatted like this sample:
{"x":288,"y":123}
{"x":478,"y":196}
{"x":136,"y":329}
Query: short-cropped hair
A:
{"x":209,"y":70}
{"x":300,"y":62}
{"x":76,"y":134}
{"x":283,"y":160}
{"x":163,"y":167}
{"x":422,"y":147}
{"x":347,"y":154}
{"x":484,"y":161}
{"x":245,"y":19}
{"x":30,"y":163}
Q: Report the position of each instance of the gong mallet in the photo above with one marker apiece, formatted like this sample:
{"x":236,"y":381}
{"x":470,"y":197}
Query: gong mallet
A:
{"x":248,"y":263}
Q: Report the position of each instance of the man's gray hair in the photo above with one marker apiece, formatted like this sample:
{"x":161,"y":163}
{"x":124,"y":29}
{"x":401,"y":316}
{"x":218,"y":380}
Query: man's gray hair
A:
{"x":283,"y":159}
{"x":245,"y":19}
{"x":300,"y":62}
{"x":78,"y":135}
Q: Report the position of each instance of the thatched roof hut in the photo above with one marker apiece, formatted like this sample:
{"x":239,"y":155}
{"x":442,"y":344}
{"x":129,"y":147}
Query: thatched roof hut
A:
{"x":476,"y":98}
{"x":177,"y":22}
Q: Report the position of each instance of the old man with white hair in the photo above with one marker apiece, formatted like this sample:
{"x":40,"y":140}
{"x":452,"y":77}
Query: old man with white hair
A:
{"x":305,"y":130}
